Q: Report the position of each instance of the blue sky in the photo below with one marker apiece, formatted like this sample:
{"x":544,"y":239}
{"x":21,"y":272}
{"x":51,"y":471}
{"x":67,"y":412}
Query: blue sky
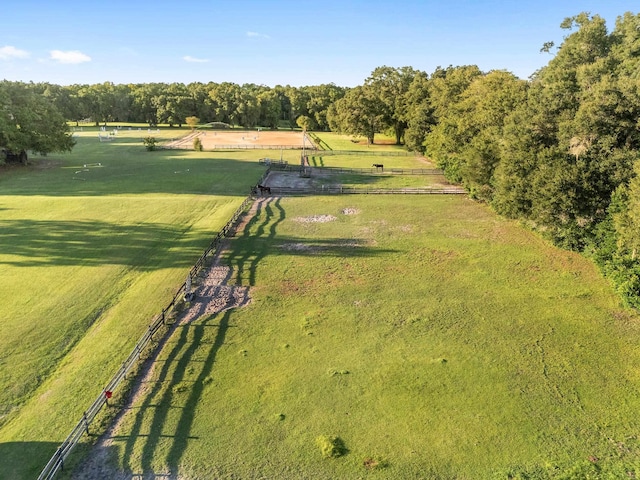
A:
{"x":277,"y":42}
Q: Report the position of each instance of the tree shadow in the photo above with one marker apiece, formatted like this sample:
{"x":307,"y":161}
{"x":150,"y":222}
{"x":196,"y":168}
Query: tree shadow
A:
{"x":170,"y":387}
{"x":25,"y":460}
{"x":29,"y":243}
{"x":251,"y":247}
{"x":130,"y":171}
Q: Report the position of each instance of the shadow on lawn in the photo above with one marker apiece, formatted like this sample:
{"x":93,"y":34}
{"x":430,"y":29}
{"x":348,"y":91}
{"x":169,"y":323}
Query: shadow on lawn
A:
{"x":94,"y":243}
{"x":186,"y":369}
{"x":256,"y":239}
{"x":170,"y":385}
{"x":25,"y":460}
{"x":104,"y":171}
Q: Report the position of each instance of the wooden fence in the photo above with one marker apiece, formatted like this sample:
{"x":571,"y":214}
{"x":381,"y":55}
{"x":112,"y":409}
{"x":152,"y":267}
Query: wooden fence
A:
{"x":283,"y":166}
{"x":56,"y":463}
{"x":186,"y":146}
{"x":363,"y":153}
{"x":340,"y":190}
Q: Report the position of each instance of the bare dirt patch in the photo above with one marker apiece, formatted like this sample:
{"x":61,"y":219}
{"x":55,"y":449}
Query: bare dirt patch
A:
{"x":221,"y":139}
{"x":350,"y":211}
{"x":296,"y":181}
{"x":315,"y":219}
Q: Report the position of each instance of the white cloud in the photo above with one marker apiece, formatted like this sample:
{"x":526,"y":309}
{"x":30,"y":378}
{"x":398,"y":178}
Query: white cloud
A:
{"x":9,"y":52}
{"x":71,"y":56}
{"x":256,"y":34}
{"x":189,"y":58}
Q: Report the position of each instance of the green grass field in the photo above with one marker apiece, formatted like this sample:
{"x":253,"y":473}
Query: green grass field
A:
{"x":433,"y":338}
{"x":336,"y":141}
{"x":93,"y":245}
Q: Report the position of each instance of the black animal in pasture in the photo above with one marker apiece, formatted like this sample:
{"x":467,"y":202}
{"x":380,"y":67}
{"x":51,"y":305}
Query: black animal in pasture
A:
{"x":264,"y":189}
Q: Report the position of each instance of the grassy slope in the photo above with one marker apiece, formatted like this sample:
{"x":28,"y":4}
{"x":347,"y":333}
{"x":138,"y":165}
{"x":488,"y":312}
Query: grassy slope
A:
{"x":89,"y":255}
{"x":447,"y":343}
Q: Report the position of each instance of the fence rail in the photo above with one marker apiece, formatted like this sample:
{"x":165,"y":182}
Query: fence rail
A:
{"x":187,"y":146}
{"x":338,"y":190}
{"x":363,"y":153}
{"x":276,"y":165}
{"x":56,"y":463}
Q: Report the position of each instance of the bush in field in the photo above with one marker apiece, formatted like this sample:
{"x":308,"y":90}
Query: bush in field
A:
{"x":150,"y":143}
{"x":192,"y":122}
{"x":197,"y":144}
{"x":331,"y":446}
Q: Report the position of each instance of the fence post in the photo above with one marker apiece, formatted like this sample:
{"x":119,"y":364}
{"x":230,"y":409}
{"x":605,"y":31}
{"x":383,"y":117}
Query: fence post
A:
{"x":86,"y":423}
{"x":60,"y":459}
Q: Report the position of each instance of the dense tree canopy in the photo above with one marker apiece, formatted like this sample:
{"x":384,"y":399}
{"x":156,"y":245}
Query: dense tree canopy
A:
{"x":30,"y":121}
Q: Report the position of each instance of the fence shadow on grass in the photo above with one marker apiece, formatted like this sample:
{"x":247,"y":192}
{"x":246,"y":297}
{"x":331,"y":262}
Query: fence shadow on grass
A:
{"x":253,"y":245}
{"x":190,"y":354}
{"x":172,"y":384}
{"x":259,"y":240}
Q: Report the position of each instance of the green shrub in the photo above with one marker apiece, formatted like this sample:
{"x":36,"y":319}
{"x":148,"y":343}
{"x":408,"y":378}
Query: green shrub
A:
{"x":150,"y":143}
{"x":197,"y":144}
{"x":331,"y":446}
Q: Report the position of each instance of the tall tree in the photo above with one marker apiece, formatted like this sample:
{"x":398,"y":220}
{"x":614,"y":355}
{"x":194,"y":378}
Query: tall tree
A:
{"x":30,"y":121}
{"x":390,"y":86}
{"x":360,"y":112}
{"x":418,"y":113}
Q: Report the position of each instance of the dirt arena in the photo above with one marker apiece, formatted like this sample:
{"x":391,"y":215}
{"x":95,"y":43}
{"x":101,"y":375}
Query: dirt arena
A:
{"x":222,"y":139}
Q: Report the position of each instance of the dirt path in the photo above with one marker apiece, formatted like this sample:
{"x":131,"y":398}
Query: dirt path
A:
{"x":213,"y":296}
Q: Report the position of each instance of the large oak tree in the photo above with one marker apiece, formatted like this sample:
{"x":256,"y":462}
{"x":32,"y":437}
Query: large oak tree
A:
{"x":30,"y":121}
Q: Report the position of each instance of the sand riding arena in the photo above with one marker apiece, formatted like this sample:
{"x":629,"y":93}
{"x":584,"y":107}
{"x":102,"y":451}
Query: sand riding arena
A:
{"x":244,"y":139}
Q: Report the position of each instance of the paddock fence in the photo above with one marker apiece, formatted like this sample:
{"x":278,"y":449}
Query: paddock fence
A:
{"x":362,"y":153}
{"x":283,"y":166}
{"x":187,"y":146}
{"x":56,"y":463}
{"x":340,"y":190}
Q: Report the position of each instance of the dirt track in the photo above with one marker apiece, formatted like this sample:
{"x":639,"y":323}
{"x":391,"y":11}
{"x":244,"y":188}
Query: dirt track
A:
{"x":213,"y":296}
{"x":216,"y":139}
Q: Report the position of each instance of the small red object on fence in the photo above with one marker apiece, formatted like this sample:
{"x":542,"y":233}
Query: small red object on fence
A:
{"x":108,"y":394}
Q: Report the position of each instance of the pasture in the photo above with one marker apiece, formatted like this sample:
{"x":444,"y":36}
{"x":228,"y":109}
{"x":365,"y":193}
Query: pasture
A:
{"x":93,"y":244}
{"x":432,"y":338}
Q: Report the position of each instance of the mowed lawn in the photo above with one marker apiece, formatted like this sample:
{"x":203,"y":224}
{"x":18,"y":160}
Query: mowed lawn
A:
{"x":434,"y":339}
{"x":93,"y":244}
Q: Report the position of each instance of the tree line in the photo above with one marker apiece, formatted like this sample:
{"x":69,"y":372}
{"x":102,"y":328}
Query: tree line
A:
{"x":247,"y":105}
{"x":558,"y":151}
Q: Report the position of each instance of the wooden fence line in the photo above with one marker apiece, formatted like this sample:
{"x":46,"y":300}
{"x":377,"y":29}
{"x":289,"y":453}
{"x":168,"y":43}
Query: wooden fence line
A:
{"x":283,"y":166}
{"x":187,"y":146}
{"x":363,"y":153}
{"x":56,"y":462}
{"x":339,"y":190}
